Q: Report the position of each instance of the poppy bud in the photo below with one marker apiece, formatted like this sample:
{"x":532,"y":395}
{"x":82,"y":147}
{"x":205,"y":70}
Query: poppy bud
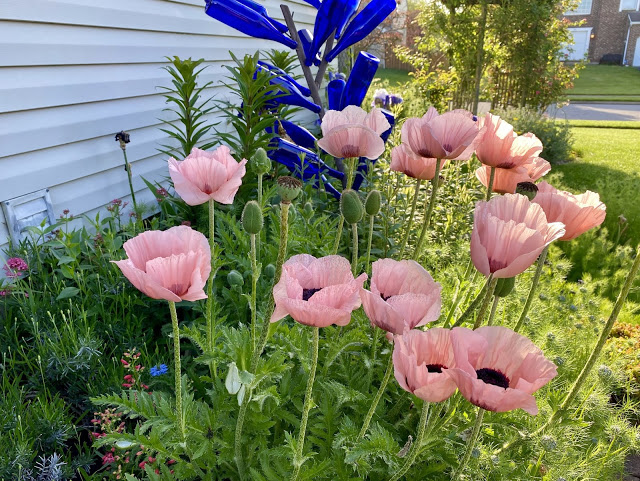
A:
{"x":351,"y":207}
{"x":252,"y":217}
{"x":261,"y":162}
{"x":234,"y":278}
{"x":270,"y":271}
{"x":372,"y":203}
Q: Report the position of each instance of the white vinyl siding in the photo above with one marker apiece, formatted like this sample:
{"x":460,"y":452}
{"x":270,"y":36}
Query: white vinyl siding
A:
{"x":75,"y":72}
{"x":583,"y":8}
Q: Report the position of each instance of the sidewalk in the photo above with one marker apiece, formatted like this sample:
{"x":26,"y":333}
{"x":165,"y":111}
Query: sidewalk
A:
{"x":596,"y":111}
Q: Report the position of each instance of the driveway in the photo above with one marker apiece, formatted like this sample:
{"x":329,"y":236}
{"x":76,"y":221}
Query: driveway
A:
{"x":596,"y":111}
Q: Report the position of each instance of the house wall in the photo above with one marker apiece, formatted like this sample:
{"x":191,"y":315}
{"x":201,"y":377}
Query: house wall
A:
{"x":634,"y":34}
{"x":75,"y":72}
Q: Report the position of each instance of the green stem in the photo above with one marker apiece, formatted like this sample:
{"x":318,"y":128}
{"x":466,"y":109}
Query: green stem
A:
{"x":176,"y":366}
{"x":308,"y":401}
{"x":494,"y":307}
{"x":595,"y":353}
{"x":336,"y":242}
{"x":127,"y":167}
{"x":369,"y":241}
{"x":260,"y":204}
{"x":210,"y":301}
{"x":254,"y":288}
{"x":416,"y":194}
{"x":415,"y":448}
{"x":354,"y":249}
{"x":429,"y":211}
{"x":532,"y":290}
{"x":351,"y":170}
{"x":473,"y":306}
{"x":376,"y":400}
{"x":492,"y":177}
{"x":485,"y":303}
{"x":471,"y":443}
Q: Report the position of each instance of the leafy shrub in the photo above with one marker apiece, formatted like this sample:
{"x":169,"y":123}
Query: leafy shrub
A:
{"x":554,"y":134}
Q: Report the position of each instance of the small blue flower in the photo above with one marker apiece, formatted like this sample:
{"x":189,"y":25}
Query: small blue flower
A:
{"x":159,"y":370}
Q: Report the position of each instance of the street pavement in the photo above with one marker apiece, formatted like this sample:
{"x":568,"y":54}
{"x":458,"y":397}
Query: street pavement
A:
{"x":596,"y":111}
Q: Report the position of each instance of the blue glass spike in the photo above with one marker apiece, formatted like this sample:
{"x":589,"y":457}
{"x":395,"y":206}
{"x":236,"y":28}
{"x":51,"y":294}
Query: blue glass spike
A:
{"x":332,"y":15}
{"x":263,"y":11}
{"x":361,"y":172}
{"x":303,"y":90}
{"x":246,"y":20}
{"x":289,"y":93}
{"x":363,"y":24}
{"x":361,"y":76}
{"x":306,"y":39}
{"x":335,"y":89}
{"x":391,"y":118}
{"x":299,"y":135}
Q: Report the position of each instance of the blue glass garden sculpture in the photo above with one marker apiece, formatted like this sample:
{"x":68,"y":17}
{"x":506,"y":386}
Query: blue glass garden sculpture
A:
{"x":289,"y":93}
{"x":299,"y":135}
{"x":335,"y":89}
{"x":363,"y":24}
{"x":263,"y":11}
{"x":332,"y":16}
{"x":306,"y":39}
{"x":303,"y":90}
{"x":361,"y":76}
{"x":246,"y":20}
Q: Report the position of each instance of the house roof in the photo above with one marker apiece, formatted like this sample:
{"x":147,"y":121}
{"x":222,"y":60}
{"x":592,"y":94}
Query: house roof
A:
{"x":634,"y":17}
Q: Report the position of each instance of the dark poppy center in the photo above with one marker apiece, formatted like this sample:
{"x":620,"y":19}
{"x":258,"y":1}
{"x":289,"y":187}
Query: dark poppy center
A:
{"x":495,"y":265}
{"x":448,"y":147}
{"x":384,"y":298}
{"x":350,"y":151}
{"x":435,"y":367}
{"x":494,"y":377}
{"x":207,"y":189}
{"x":425,"y":153}
{"x":307,"y":293}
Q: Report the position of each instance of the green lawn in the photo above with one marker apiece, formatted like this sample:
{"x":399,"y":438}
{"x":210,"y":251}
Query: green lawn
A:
{"x":606,"y":82}
{"x":394,"y":76}
{"x":609,"y":163}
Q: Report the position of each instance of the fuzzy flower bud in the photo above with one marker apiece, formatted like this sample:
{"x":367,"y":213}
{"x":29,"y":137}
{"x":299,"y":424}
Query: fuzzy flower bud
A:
{"x":270,"y":271}
{"x":234,"y":278}
{"x":288,"y":188}
{"x":252,"y":217}
{"x":351,"y":207}
{"x":260,"y":161}
{"x":372,"y":203}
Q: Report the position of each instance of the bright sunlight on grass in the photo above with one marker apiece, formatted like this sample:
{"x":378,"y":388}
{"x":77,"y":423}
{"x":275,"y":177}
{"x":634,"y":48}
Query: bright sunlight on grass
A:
{"x":606,"y":82}
{"x":394,"y":76}
{"x":608,"y":163}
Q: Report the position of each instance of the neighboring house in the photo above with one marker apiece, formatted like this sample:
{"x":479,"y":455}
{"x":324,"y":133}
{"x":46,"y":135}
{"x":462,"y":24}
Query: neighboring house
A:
{"x":73,"y":73}
{"x":611,"y":28}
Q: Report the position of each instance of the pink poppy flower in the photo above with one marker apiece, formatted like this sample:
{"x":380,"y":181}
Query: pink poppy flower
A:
{"x":207,"y":175}
{"x":502,"y":147}
{"x":353,"y":132}
{"x":317,"y":292}
{"x":505,"y":181}
{"x":452,"y":135}
{"x":172,"y":264}
{"x":497,"y":369}
{"x":403,"y":296}
{"x":509,"y":233}
{"x":422,"y":361}
{"x":403,"y":159}
{"x":579,"y":213}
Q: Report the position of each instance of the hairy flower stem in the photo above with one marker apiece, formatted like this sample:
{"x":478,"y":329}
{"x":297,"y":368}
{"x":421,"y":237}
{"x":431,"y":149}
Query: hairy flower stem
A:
{"x":532,"y":290}
{"x":415,"y":448}
{"x":485,"y":303}
{"x":354,"y":249}
{"x":336,"y":242}
{"x":127,"y":167}
{"x":254,"y":288}
{"x":261,"y":206}
{"x":176,"y":366}
{"x":494,"y":307}
{"x":412,"y":212}
{"x":369,"y":241}
{"x":210,"y":301}
{"x":586,"y":370}
{"x":429,"y":210}
{"x":376,"y":400}
{"x":308,"y":401}
{"x":351,"y":172}
{"x":492,"y":177}
{"x":471,"y":443}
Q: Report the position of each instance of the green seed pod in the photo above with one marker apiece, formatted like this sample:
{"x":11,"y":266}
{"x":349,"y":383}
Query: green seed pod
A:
{"x":528,"y":189}
{"x":351,"y":207}
{"x":261,"y":163}
{"x":234,"y":278}
{"x":270,"y":271}
{"x":308,"y":208}
{"x":372,"y":203}
{"x":504,"y":287}
{"x":252,"y":217}
{"x":288,"y":188}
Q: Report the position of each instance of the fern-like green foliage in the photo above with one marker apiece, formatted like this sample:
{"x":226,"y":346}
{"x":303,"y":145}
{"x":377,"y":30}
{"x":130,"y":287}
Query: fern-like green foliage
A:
{"x":188,"y":124}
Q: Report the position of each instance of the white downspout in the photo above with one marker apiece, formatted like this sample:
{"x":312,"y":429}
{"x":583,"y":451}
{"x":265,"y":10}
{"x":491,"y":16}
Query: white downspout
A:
{"x":626,"y":43}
